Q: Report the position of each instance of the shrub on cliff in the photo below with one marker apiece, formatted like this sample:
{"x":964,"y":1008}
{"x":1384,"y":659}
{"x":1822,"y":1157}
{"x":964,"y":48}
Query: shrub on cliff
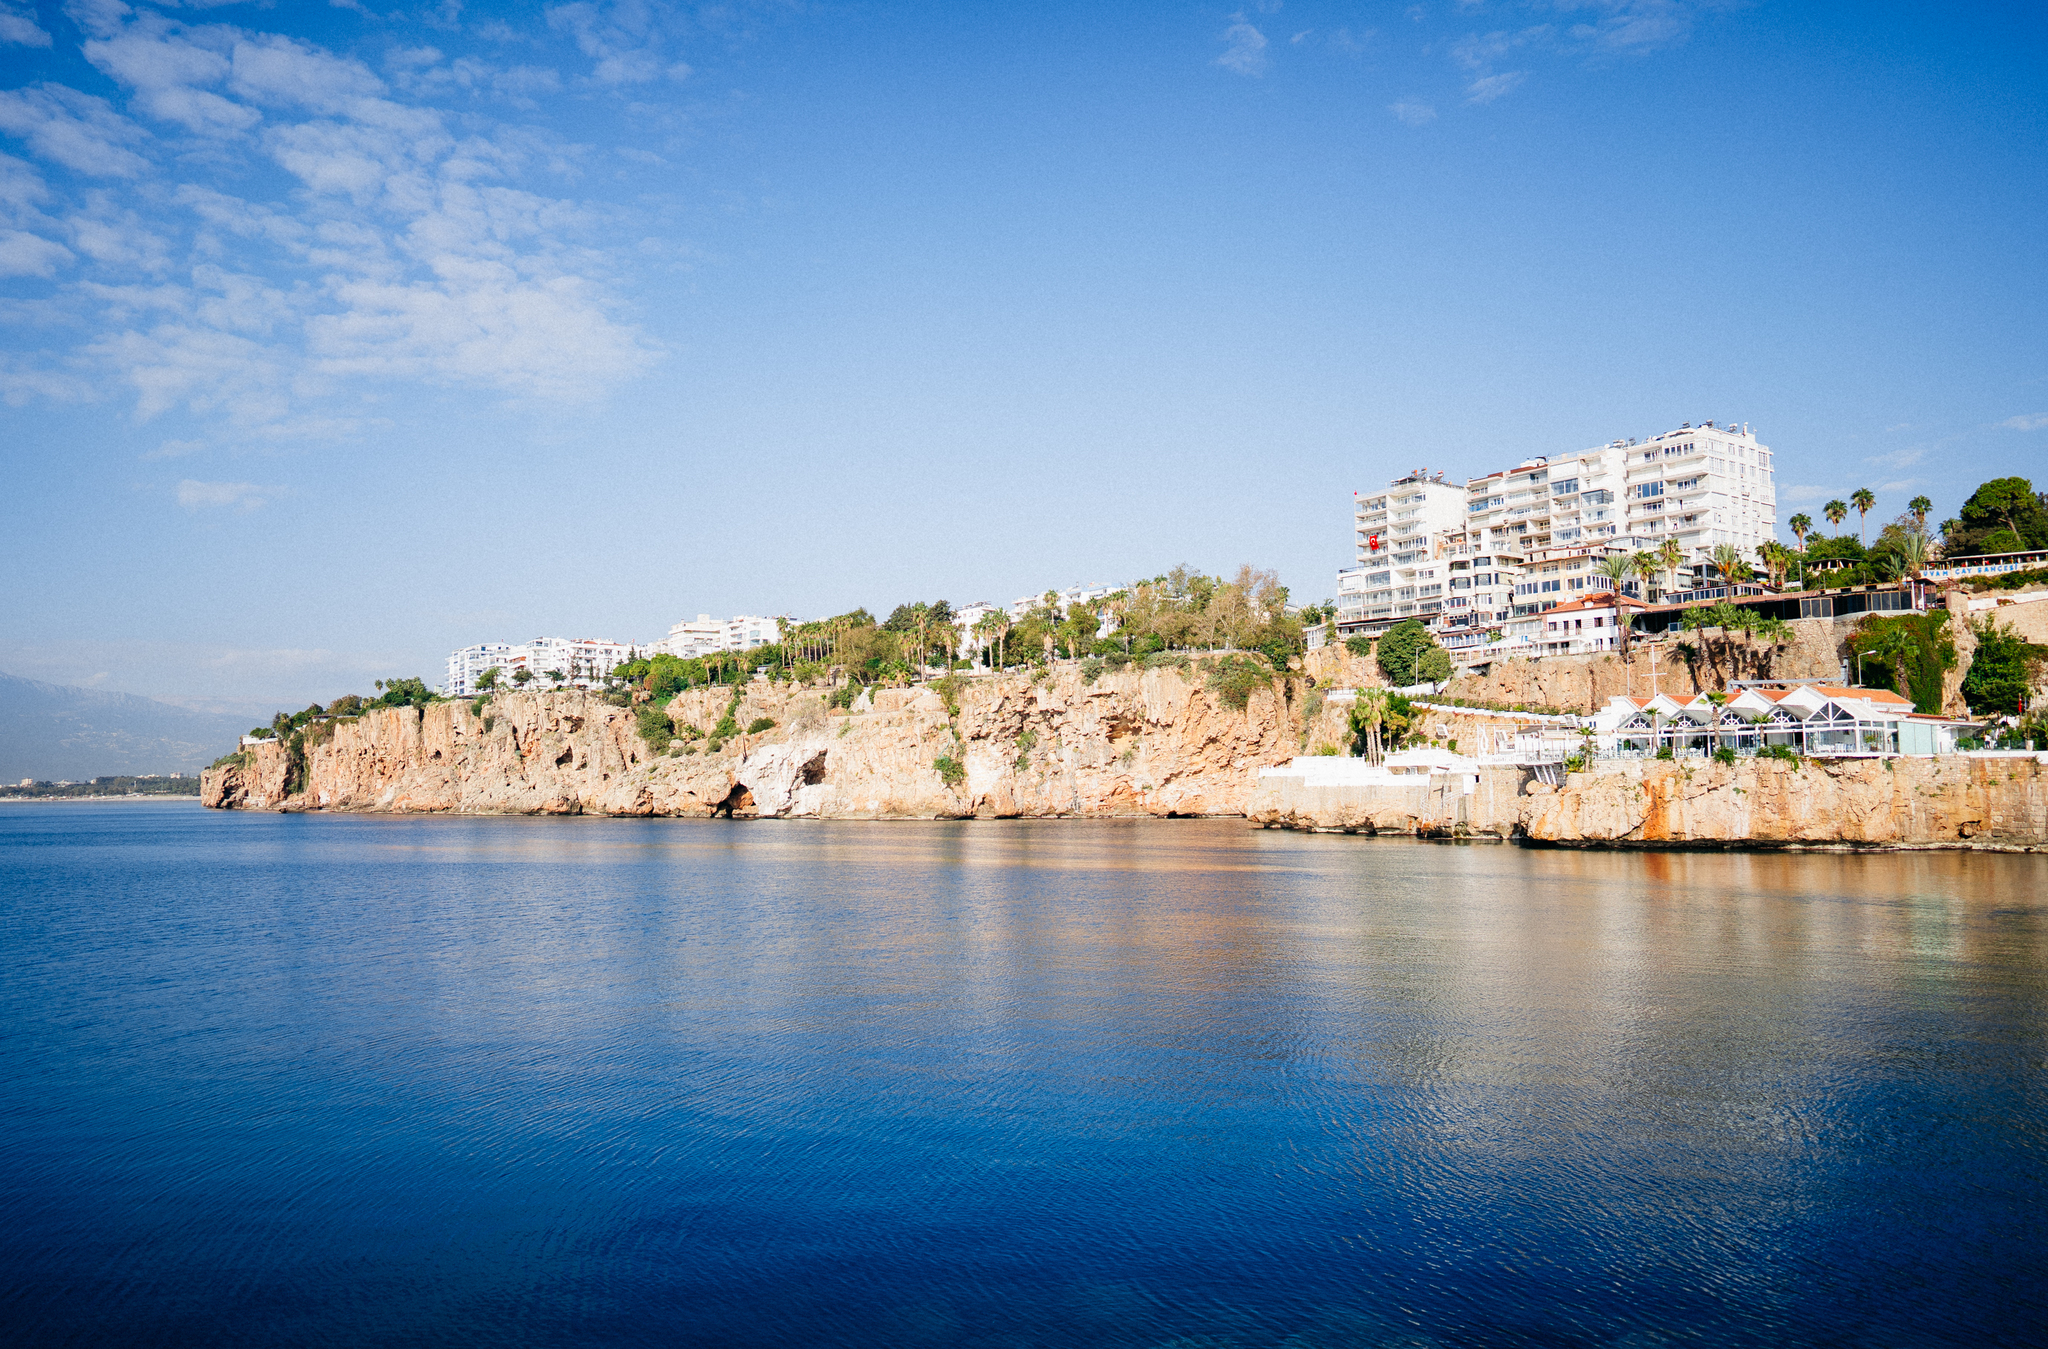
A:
{"x":654,"y":726}
{"x":760,"y":724}
{"x":951,"y":771}
{"x":404,"y":693}
{"x":1907,"y":653}
{"x":1233,"y":679}
{"x":2004,"y":667}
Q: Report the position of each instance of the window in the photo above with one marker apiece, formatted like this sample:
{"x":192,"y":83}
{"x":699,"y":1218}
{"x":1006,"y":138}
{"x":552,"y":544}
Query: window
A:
{"x":1649,"y":489}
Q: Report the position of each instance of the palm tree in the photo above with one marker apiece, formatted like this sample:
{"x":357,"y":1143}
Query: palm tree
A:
{"x":1772,"y":555}
{"x":1616,"y":568}
{"x":1836,"y":511}
{"x":1728,"y":562}
{"x":1368,"y":715}
{"x":1801,"y":525}
{"x":1670,"y":555}
{"x":1645,"y":565}
{"x":1920,"y":506}
{"x":1914,"y":552}
{"x":989,"y":628}
{"x":1864,"y":499}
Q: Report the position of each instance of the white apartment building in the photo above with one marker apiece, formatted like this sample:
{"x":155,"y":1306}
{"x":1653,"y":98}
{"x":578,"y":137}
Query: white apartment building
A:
{"x":1065,"y":599}
{"x":965,"y":618}
{"x":467,"y":666}
{"x":1704,"y":486}
{"x":1402,"y":537}
{"x":1534,"y":533}
{"x":707,"y":634}
{"x":581,"y":661}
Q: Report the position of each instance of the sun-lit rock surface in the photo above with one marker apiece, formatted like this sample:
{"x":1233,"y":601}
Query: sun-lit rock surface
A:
{"x":1139,"y":742}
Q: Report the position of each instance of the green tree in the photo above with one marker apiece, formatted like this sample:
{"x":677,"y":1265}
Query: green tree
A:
{"x":1864,"y":499}
{"x":1729,"y":564}
{"x":1919,"y":506}
{"x":2002,"y":516}
{"x":1670,"y":555}
{"x":1409,"y":655}
{"x":1379,"y":717}
{"x":2003,"y":669}
{"x":1907,"y":653}
{"x":1801,"y":525}
{"x":1646,"y":565}
{"x":1836,"y":511}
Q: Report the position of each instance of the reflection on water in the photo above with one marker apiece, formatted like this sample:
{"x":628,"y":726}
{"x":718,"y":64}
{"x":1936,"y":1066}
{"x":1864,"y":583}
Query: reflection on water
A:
{"x":360,"y":1081}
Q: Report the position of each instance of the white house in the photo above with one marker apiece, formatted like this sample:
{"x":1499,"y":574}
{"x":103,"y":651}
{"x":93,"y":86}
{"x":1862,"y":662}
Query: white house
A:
{"x":966,"y":618}
{"x":1809,"y":718}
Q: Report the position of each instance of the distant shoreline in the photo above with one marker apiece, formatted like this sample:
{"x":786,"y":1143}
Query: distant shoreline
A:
{"x":90,"y":800}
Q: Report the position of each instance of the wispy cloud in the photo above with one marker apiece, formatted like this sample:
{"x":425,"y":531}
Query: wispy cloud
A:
{"x":2036,"y":422}
{"x":1490,"y":87}
{"x":626,"y":42}
{"x":194,"y":495}
{"x":1628,"y":26}
{"x":409,"y":244}
{"x":1244,"y":48}
{"x":1412,"y":112}
{"x":76,"y":130}
{"x":18,"y":26}
{"x":1904,"y":458}
{"x":1801,"y":492}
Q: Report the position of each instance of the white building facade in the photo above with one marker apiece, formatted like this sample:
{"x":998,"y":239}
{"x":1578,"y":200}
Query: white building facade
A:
{"x":1535,"y":533}
{"x":1063,"y":600}
{"x":581,"y":662}
{"x":1402,"y":537}
{"x":467,"y":666}
{"x":705,"y":635}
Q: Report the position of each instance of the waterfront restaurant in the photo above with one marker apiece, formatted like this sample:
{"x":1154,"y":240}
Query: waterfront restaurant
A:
{"x":1810,"y":718}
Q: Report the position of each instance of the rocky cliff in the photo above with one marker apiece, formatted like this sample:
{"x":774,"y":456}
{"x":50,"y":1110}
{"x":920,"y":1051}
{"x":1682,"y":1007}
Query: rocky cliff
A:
{"x":1138,"y":742}
{"x":1985,"y":802}
{"x":1988,"y":801}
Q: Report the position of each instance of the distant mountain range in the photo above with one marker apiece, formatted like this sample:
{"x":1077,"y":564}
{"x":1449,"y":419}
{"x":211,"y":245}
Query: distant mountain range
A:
{"x":58,"y":731}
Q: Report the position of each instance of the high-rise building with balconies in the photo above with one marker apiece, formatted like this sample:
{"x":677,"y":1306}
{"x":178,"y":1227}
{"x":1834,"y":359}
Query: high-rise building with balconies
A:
{"x":1534,"y":533}
{"x":1401,"y":535}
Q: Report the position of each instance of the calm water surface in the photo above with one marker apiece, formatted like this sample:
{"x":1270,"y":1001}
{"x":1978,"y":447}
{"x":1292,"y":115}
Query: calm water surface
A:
{"x":353,"y":1081}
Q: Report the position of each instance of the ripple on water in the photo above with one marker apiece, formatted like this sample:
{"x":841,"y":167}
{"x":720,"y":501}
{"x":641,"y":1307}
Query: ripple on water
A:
{"x":362,"y":1081}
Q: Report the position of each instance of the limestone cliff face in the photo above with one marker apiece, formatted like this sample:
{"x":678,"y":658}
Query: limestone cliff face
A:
{"x":1152,"y":742}
{"x":1897,"y":802}
{"x":1987,"y":802}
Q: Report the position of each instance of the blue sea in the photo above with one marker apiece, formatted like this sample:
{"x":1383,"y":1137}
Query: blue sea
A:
{"x":311,"y":1080}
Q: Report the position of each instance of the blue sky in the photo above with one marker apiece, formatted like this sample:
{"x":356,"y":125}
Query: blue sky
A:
{"x":338,"y":335}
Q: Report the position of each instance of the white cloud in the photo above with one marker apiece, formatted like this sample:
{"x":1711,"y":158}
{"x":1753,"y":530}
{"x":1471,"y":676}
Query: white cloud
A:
{"x":1797,"y":492}
{"x":245,"y":496}
{"x":624,"y":40}
{"x":165,"y":69}
{"x":2035,"y":422}
{"x":1905,"y":458}
{"x":25,"y":254}
{"x":409,"y":251}
{"x":73,"y":129}
{"x":1413,"y":112}
{"x":1244,"y":49}
{"x":176,"y":449}
{"x":1628,"y":26}
{"x":1487,"y":88}
{"x":18,"y":25}
{"x":1481,"y":51}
